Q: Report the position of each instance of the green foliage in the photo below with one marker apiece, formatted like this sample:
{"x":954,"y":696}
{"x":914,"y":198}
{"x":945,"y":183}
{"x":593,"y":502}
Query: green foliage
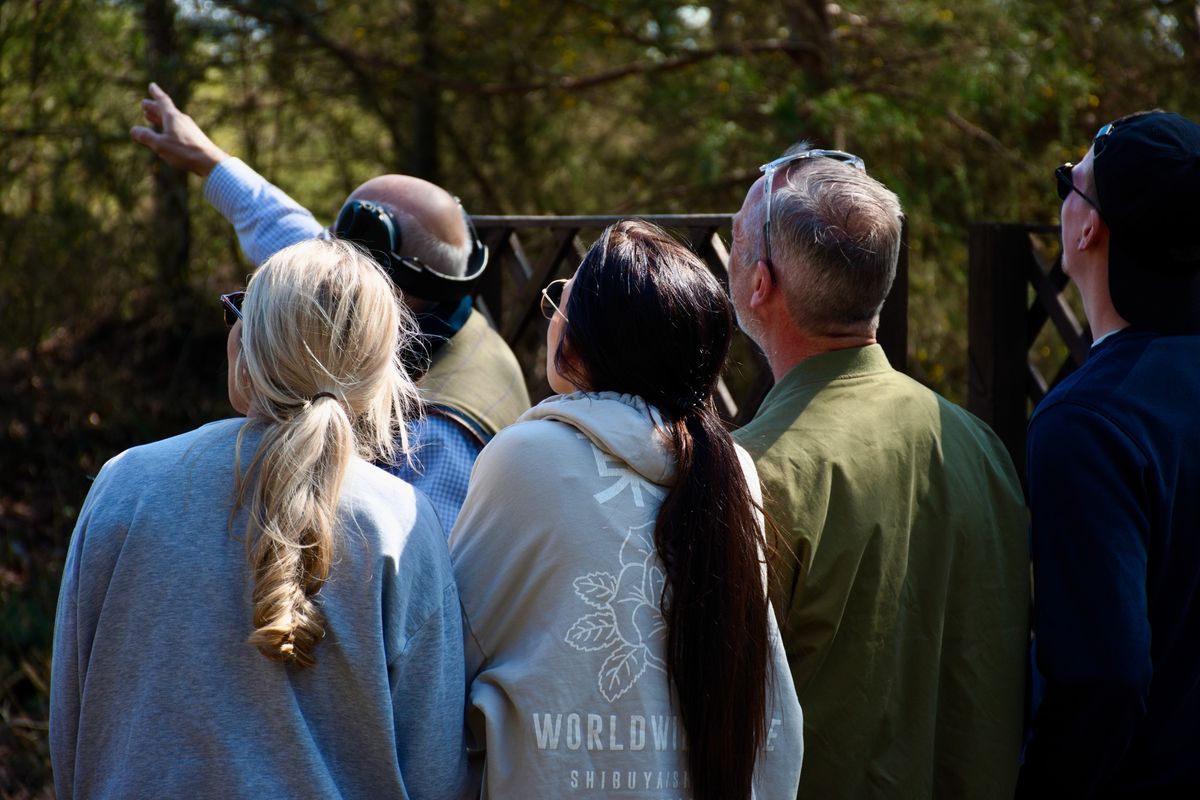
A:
{"x":111,"y":337}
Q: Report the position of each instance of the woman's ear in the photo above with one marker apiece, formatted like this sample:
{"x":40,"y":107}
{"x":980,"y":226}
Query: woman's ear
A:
{"x":572,"y":369}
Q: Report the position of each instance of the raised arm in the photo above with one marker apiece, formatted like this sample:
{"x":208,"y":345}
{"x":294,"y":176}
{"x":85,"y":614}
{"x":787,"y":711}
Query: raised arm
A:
{"x":266,"y":218}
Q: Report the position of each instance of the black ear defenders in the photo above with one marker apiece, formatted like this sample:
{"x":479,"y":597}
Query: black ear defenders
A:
{"x":375,"y":228}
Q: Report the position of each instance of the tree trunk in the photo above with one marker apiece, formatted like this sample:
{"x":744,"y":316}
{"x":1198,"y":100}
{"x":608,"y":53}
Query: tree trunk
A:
{"x":426,"y":107}
{"x":809,"y":32}
{"x":172,"y":229}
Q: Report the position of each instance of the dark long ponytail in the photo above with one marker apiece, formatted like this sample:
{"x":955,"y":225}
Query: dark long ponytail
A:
{"x":647,"y":318}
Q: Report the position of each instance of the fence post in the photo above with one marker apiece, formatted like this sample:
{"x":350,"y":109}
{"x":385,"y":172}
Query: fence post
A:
{"x":997,"y":346}
{"x":498,"y":242}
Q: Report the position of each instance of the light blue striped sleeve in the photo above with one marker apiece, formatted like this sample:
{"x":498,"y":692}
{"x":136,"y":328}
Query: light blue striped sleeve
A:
{"x":265,"y":217}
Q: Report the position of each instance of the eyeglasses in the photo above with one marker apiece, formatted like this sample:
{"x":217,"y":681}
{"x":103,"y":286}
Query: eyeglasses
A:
{"x":232,"y":305}
{"x":1066,"y":185}
{"x":784,"y":162}
{"x":552,"y":299}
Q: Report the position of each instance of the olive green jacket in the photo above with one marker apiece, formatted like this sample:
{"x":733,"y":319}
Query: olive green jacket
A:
{"x":905,"y":606}
{"x":475,"y":380}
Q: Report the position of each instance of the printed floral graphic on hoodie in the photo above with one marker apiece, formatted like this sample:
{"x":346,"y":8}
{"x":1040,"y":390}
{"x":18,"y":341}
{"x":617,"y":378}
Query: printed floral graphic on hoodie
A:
{"x":627,"y":622}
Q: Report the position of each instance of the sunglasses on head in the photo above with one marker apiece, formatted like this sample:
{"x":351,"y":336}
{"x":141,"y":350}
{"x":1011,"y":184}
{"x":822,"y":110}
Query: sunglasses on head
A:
{"x":1100,"y":140}
{"x":782,"y":163}
{"x":231,"y":304}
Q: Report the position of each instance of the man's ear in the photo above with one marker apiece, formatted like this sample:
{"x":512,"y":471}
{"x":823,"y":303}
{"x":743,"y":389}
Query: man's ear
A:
{"x":1092,"y":232}
{"x":762,"y":284}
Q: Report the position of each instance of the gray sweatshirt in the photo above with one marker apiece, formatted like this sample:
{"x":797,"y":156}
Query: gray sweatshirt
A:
{"x":155,"y":691}
{"x":566,"y":643}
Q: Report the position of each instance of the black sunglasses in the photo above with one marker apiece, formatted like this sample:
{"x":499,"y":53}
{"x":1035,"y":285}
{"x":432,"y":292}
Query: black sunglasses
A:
{"x":232,"y":306}
{"x":1066,"y":185}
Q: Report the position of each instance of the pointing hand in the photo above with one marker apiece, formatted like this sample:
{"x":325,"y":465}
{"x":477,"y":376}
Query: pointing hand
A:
{"x":180,"y":143}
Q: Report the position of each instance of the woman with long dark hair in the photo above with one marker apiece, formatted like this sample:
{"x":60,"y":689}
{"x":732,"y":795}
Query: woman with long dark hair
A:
{"x":611,"y":558}
{"x":251,"y":609}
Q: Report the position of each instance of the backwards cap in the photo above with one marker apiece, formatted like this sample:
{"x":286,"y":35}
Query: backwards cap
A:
{"x":1147,"y":173}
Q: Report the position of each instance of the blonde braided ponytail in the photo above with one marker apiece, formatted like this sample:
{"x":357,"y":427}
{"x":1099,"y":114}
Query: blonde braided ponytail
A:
{"x":322,"y":330}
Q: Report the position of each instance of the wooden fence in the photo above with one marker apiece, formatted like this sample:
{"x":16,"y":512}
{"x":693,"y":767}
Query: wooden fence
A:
{"x":1015,"y":282}
{"x":1016,"y":286}
{"x":529,"y":252}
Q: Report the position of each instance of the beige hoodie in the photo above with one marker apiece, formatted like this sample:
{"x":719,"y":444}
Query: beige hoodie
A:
{"x":565,"y":641}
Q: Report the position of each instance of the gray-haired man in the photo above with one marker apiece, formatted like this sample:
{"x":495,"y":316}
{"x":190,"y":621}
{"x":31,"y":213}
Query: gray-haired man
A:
{"x":905,"y":605}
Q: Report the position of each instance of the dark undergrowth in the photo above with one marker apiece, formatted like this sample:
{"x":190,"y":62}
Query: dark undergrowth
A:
{"x":84,"y":394}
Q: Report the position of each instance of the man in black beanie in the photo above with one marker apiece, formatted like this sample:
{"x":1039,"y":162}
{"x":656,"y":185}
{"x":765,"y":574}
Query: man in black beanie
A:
{"x":1114,"y":480}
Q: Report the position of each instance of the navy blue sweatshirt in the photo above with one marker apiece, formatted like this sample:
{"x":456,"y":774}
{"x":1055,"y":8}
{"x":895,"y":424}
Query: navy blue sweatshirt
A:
{"x":1114,"y":488}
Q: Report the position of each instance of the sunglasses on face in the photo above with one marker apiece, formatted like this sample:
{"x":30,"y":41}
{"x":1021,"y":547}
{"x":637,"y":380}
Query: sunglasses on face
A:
{"x":231,"y":304}
{"x":1066,"y":185}
{"x":552,"y":299}
{"x":782,"y":163}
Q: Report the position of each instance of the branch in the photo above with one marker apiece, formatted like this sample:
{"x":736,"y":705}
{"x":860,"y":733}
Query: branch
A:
{"x":362,"y":66}
{"x":297,"y":22}
{"x":74,"y":134}
{"x":580,"y":82}
{"x":976,"y":132}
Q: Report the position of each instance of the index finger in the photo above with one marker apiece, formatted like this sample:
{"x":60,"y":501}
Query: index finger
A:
{"x":162,"y":97}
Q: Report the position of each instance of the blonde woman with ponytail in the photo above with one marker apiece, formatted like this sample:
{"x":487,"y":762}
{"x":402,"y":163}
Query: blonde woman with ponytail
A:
{"x":252,"y":609}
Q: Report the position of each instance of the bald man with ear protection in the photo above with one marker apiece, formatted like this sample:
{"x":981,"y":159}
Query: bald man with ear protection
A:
{"x":470,"y":380}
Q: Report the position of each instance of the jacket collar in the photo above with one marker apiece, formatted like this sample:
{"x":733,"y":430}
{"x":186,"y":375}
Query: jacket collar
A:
{"x":836,"y":365}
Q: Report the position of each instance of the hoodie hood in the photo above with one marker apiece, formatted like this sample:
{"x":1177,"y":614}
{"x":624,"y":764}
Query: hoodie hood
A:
{"x":621,"y":424}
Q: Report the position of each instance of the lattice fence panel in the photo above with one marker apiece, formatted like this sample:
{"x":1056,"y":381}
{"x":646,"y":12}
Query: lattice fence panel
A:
{"x":530,"y":251}
{"x":1025,"y":329}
